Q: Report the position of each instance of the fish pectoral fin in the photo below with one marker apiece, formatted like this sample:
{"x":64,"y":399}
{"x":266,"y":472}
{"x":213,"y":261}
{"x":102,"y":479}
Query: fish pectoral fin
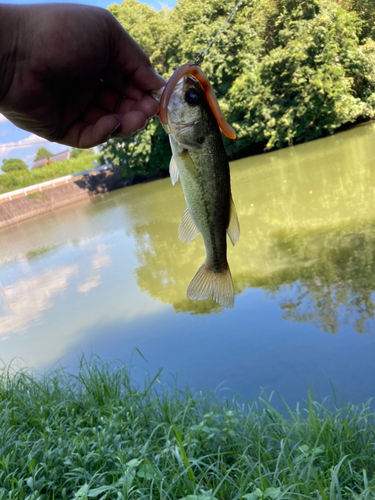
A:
{"x":233,"y":229}
{"x":206,"y":281}
{"x":188,"y":229}
{"x":173,"y":171}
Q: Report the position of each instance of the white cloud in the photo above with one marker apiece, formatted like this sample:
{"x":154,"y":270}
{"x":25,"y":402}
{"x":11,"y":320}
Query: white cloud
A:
{"x":3,"y":118}
{"x":28,"y":158}
{"x":28,"y":142}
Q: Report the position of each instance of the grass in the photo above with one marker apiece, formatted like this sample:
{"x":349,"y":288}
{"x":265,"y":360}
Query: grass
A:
{"x":24,"y":178}
{"x":98,"y":435}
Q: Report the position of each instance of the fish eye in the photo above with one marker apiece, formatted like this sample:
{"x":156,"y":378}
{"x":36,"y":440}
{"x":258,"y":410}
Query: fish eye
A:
{"x":191,"y":97}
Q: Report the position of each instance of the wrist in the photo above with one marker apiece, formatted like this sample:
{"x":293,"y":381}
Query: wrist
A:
{"x":10,"y":21}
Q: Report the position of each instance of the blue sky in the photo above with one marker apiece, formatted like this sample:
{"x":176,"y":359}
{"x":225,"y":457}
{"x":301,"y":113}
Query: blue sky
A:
{"x":17,"y":143}
{"x":98,"y":3}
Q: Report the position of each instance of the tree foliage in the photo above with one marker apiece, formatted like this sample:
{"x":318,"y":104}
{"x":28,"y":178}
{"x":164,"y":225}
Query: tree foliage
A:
{"x":284,"y":71}
{"x":23,"y":178}
{"x":75,"y":152}
{"x":365,"y":9}
{"x":42,"y":153}
{"x":13,"y":165}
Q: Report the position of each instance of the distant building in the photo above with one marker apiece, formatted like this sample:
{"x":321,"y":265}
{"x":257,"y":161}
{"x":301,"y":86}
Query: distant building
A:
{"x":39,"y":163}
{"x":65,"y":155}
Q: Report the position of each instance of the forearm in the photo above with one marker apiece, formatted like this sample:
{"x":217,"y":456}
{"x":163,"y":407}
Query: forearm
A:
{"x":10,"y":21}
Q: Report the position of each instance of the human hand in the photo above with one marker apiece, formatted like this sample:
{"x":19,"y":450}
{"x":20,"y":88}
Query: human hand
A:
{"x":71,"y":74}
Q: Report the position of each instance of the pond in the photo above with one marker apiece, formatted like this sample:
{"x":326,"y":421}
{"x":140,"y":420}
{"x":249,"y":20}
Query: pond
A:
{"x":109,"y":277}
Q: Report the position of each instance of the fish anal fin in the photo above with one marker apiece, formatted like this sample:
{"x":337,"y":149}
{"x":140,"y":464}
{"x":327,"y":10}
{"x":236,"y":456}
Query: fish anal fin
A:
{"x":207,"y":282}
{"x":173,"y":170}
{"x":233,"y":229}
{"x":188,"y":229}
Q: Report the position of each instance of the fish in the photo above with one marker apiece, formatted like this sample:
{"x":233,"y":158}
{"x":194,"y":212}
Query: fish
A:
{"x":190,"y":114}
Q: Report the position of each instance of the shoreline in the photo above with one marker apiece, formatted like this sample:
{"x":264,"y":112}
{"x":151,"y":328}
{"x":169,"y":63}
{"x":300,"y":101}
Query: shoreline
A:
{"x":37,"y":203}
{"x":29,"y":206}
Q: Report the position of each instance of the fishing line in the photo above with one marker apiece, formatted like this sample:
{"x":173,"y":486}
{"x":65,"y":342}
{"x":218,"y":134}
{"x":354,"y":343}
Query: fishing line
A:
{"x":201,"y":55}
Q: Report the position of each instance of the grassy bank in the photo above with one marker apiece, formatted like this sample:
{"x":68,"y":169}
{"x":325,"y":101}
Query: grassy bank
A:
{"x":23,"y":178}
{"x":97,"y":435}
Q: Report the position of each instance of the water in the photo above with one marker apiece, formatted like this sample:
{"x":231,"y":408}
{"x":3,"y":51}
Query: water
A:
{"x":109,"y":276}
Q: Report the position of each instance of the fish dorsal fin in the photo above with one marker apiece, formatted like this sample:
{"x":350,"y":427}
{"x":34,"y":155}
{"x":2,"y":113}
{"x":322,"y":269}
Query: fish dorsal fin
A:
{"x":173,"y":170}
{"x":188,"y":229}
{"x":233,"y":229}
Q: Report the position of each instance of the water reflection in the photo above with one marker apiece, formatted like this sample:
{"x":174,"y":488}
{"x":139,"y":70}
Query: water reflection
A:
{"x":307,"y":233}
{"x":109,"y":275}
{"x":26,"y":299}
{"x":23,"y":302}
{"x":331,"y":278}
{"x":307,"y":218}
{"x":99,"y":260}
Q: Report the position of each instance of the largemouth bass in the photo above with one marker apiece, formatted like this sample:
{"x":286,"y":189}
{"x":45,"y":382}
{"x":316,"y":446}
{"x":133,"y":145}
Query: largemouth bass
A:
{"x":190,"y":114}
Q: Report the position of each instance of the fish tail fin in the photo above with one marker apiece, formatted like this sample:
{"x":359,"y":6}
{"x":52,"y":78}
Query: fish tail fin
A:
{"x":207,"y":281}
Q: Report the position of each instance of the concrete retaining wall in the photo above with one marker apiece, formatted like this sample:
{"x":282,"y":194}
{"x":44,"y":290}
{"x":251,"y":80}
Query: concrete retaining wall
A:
{"x":25,"y":207}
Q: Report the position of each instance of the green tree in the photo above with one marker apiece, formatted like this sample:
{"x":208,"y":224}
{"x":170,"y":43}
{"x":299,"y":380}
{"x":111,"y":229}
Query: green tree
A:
{"x":13,"y":165}
{"x":42,"y":153}
{"x":365,"y":9}
{"x":284,"y":71}
{"x":366,"y":12}
{"x":75,"y":152}
{"x":315,"y":78}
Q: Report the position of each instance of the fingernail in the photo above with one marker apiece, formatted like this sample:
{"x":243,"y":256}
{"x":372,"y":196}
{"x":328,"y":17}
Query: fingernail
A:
{"x":109,"y":136}
{"x":145,"y":125}
{"x":159,"y":77}
{"x":114,"y":130}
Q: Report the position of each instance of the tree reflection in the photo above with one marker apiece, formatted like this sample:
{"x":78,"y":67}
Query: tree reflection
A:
{"x":166,"y":266}
{"x":307,"y":234}
{"x":332,"y":280}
